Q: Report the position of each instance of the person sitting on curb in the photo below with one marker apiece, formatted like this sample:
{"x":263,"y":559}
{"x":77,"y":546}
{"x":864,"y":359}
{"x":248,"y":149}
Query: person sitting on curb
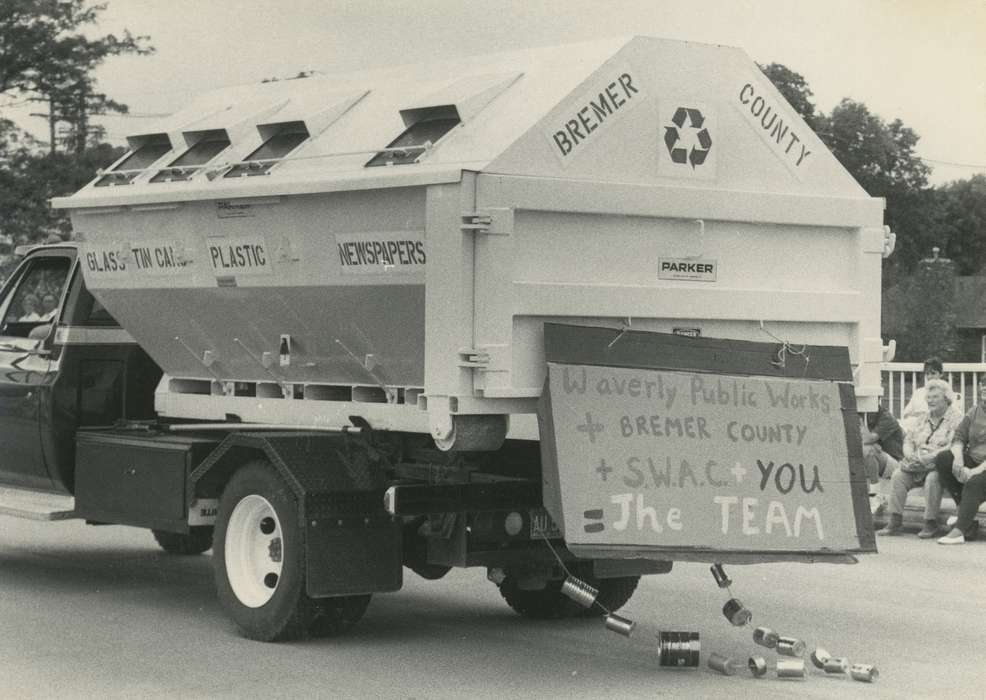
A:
{"x":883,"y":448}
{"x":962,"y":470}
{"x":922,"y":444}
{"x":917,"y":407}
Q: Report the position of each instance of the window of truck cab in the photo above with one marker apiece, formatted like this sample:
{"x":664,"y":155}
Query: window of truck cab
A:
{"x":32,"y":300}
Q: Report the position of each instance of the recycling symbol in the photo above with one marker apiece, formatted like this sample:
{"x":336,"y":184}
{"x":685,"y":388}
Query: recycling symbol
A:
{"x":697,"y":154}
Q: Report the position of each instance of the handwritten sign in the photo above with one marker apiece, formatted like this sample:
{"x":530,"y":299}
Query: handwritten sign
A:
{"x":681,"y":459}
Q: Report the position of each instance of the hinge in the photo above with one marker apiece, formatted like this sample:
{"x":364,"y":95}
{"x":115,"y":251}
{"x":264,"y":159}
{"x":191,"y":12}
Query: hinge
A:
{"x":494,"y":221}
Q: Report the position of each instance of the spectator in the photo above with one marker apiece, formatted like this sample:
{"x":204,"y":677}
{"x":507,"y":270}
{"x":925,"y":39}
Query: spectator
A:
{"x":883,"y":448}
{"x":918,"y":405}
{"x":962,"y":470}
{"x":932,"y":434}
{"x":30,"y":305}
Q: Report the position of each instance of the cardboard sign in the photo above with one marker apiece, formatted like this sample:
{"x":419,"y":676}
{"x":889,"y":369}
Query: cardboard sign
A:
{"x":650,"y":458}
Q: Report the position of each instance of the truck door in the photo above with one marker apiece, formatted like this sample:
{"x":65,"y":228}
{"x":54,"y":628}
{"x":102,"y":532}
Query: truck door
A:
{"x":29,"y":303}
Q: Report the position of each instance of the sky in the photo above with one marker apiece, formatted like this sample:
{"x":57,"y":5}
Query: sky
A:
{"x":922,"y":61}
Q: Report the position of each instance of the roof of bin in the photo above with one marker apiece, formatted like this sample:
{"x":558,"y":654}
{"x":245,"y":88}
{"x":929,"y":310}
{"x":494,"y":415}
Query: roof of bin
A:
{"x":634,"y":110}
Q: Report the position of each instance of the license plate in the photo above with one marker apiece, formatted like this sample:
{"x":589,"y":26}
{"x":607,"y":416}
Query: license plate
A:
{"x":543,"y":526}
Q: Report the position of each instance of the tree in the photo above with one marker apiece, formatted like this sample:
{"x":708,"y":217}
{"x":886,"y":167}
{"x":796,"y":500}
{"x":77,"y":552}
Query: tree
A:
{"x":46,"y":57}
{"x":794,"y":88}
{"x":961,"y":210}
{"x":928,"y":311}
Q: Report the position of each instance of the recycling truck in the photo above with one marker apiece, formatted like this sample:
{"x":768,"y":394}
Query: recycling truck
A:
{"x":579,"y":311}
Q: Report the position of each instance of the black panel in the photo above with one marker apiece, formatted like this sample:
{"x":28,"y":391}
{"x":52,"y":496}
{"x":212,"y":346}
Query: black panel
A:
{"x":583,"y":345}
{"x":857,"y":472}
{"x":354,"y":556}
{"x":132,"y":479}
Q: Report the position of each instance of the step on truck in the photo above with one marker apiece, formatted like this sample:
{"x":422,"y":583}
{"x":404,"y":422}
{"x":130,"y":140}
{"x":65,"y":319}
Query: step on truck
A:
{"x":579,"y":311}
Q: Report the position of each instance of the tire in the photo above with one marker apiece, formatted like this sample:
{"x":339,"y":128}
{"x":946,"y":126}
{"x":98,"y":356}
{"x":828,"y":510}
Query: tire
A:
{"x":259,"y":557}
{"x":338,"y":615}
{"x":550,"y":603}
{"x":196,"y":541}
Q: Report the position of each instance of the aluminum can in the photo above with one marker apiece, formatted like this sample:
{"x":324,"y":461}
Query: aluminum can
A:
{"x":620,"y":625}
{"x":736,"y":612}
{"x":789,"y":646}
{"x":765,"y":637}
{"x":866,"y":673}
{"x":720,"y":663}
{"x":579,"y":591}
{"x":757,"y":666}
{"x":678,"y":649}
{"x":790,"y":668}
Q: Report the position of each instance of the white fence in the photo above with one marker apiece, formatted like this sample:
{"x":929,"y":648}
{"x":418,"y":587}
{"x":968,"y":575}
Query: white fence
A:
{"x":900,"y":379}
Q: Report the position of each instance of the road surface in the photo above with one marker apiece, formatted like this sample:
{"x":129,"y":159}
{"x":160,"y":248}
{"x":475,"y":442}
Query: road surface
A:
{"x":100,"y":612}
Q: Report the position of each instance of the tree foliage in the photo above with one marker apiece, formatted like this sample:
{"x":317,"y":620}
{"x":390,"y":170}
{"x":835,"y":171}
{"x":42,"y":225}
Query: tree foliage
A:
{"x":794,"y":88}
{"x":882,"y":157}
{"x":46,"y":56}
{"x":49,"y":54}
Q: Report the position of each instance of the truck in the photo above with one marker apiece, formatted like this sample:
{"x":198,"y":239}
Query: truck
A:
{"x":569,"y":314}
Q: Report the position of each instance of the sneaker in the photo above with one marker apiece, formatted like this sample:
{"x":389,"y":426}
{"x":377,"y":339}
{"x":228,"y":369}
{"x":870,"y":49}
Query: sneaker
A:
{"x":953,"y":537}
{"x":973,"y":531}
{"x":952,"y":519}
{"x":929,"y":530}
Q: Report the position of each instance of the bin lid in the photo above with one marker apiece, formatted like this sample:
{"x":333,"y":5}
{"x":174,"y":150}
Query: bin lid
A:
{"x":637,"y":110}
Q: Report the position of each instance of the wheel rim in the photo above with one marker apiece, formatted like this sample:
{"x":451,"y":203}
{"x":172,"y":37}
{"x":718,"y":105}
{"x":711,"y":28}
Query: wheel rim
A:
{"x":254,"y":551}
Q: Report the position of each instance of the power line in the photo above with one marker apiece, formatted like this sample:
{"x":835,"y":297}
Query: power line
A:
{"x":958,"y":165}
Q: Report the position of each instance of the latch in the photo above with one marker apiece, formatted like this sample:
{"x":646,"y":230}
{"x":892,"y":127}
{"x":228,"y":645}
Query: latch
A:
{"x":494,"y":221}
{"x":471,"y":357}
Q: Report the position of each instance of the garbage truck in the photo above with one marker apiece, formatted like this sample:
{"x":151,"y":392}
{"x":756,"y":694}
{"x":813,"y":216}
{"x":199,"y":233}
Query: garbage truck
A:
{"x":567,"y":313}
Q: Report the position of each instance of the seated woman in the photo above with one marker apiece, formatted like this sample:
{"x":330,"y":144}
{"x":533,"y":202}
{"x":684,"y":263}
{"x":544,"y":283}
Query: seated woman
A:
{"x":30,"y":304}
{"x":922,"y":443}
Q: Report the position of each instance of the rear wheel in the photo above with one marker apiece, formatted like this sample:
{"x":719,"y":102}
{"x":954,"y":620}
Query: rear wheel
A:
{"x":259,"y":557}
{"x":196,"y":541}
{"x":259,"y":560}
{"x":549,"y":603}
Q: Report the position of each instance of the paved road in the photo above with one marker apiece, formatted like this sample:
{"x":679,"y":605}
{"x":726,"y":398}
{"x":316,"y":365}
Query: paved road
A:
{"x":98,"y":612}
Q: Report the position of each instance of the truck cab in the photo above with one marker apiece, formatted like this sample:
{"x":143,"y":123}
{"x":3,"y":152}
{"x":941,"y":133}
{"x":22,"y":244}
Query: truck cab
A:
{"x":65,"y":363}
